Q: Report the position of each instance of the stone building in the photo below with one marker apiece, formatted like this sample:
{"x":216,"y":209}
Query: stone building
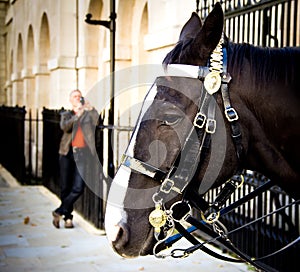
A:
{"x":47,"y":49}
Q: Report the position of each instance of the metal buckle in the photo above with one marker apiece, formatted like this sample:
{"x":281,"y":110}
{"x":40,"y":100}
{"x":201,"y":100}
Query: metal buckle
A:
{"x":167,"y":186}
{"x":210,"y":218}
{"x":199,"y":120}
{"x":211,"y":125}
{"x":188,"y":210}
{"x":231,"y":114}
{"x":238,"y":178}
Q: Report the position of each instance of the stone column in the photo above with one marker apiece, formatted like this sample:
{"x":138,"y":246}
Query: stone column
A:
{"x":8,"y":89}
{"x":87,"y":67}
{"x":41,"y":99}
{"x":63,"y":80}
{"x":28,"y":97}
{"x":28,"y":87}
{"x":17,"y":90}
{"x":42,"y":86}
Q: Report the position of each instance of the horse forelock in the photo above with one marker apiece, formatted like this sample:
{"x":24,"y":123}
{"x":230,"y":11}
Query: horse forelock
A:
{"x":178,"y":52}
{"x":172,"y":56}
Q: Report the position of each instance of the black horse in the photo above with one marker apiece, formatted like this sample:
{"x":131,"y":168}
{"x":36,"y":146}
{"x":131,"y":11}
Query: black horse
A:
{"x":259,"y":130}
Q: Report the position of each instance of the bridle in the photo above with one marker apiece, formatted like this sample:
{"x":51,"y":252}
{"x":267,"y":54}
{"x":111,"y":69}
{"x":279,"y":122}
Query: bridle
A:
{"x":215,"y":79}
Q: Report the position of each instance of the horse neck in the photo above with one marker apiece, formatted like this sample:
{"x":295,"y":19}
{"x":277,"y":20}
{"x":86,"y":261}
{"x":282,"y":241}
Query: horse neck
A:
{"x":266,"y":80}
{"x":265,"y":88}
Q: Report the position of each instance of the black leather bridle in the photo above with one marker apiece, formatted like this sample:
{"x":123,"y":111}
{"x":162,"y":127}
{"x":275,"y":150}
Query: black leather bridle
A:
{"x":197,"y":144}
{"x":177,"y":179}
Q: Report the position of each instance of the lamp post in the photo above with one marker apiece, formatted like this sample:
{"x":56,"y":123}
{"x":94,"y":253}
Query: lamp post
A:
{"x":111,"y":25}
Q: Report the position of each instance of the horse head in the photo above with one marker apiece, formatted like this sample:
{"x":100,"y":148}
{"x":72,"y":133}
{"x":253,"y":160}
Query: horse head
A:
{"x":166,"y":118}
{"x":163,"y":164}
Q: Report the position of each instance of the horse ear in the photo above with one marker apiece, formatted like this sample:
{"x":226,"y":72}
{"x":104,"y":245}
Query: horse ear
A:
{"x":191,"y":27}
{"x":212,"y":29}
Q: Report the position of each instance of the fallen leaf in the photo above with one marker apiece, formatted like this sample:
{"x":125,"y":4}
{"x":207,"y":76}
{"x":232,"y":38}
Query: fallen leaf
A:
{"x":26,"y":220}
{"x":141,"y":268}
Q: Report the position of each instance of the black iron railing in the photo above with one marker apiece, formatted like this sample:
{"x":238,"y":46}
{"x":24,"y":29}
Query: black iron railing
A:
{"x":12,"y":153}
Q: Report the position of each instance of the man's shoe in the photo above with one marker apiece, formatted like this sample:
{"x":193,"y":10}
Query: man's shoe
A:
{"x":56,"y":219}
{"x":69,"y":224}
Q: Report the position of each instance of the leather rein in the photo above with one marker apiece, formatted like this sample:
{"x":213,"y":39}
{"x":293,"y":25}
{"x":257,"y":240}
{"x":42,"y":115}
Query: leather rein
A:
{"x":215,"y":78}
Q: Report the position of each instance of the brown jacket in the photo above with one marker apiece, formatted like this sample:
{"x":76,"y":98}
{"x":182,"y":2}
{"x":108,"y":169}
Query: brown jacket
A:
{"x":68,"y":123}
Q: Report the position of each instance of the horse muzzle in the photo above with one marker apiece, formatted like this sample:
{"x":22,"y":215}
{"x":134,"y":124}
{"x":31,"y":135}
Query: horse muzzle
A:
{"x":127,"y":246}
{"x":122,"y":235}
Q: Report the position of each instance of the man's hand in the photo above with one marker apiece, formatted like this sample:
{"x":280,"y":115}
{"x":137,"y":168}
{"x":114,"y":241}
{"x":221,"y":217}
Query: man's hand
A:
{"x":81,"y":108}
{"x":87,"y":106}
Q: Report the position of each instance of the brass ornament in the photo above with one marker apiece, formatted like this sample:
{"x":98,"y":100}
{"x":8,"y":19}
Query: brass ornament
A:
{"x":212,"y":82}
{"x":157,"y":218}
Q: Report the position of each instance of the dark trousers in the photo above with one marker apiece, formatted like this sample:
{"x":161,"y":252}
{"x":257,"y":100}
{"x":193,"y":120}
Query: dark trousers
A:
{"x":72,"y":184}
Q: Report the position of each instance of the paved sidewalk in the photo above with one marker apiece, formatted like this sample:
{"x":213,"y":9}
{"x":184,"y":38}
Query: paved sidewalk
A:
{"x":29,"y":242}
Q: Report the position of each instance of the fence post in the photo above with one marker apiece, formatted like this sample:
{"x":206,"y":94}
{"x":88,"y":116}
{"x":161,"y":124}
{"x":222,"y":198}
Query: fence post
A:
{"x":29,"y":167}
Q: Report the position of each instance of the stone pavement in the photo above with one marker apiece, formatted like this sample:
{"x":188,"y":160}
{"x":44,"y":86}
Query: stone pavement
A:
{"x":29,"y":242}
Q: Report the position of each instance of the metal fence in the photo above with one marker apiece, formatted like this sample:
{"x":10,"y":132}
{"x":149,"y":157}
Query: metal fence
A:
{"x":260,"y":238}
{"x":272,"y":23}
{"x":12,"y":155}
{"x":264,"y":23}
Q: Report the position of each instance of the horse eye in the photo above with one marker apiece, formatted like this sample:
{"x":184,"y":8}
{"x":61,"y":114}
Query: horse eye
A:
{"x":171,"y":120}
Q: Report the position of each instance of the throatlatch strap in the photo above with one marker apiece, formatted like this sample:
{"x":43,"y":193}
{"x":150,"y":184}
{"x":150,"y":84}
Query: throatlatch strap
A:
{"x":232,"y":117}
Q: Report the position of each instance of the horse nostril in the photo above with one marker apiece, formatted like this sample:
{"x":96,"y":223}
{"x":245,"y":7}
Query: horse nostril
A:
{"x":122,"y":237}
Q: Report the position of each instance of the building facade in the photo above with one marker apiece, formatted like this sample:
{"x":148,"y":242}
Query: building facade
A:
{"x":47,"y":48}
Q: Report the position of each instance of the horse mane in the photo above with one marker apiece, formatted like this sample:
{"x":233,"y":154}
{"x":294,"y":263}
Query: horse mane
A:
{"x":267,"y":64}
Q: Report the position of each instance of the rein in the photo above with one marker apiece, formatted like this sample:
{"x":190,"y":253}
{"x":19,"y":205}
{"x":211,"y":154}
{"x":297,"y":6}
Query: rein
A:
{"x":215,"y":78}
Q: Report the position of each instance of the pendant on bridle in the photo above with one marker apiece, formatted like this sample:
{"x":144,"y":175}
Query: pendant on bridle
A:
{"x":212,"y":81}
{"x":157,"y":218}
